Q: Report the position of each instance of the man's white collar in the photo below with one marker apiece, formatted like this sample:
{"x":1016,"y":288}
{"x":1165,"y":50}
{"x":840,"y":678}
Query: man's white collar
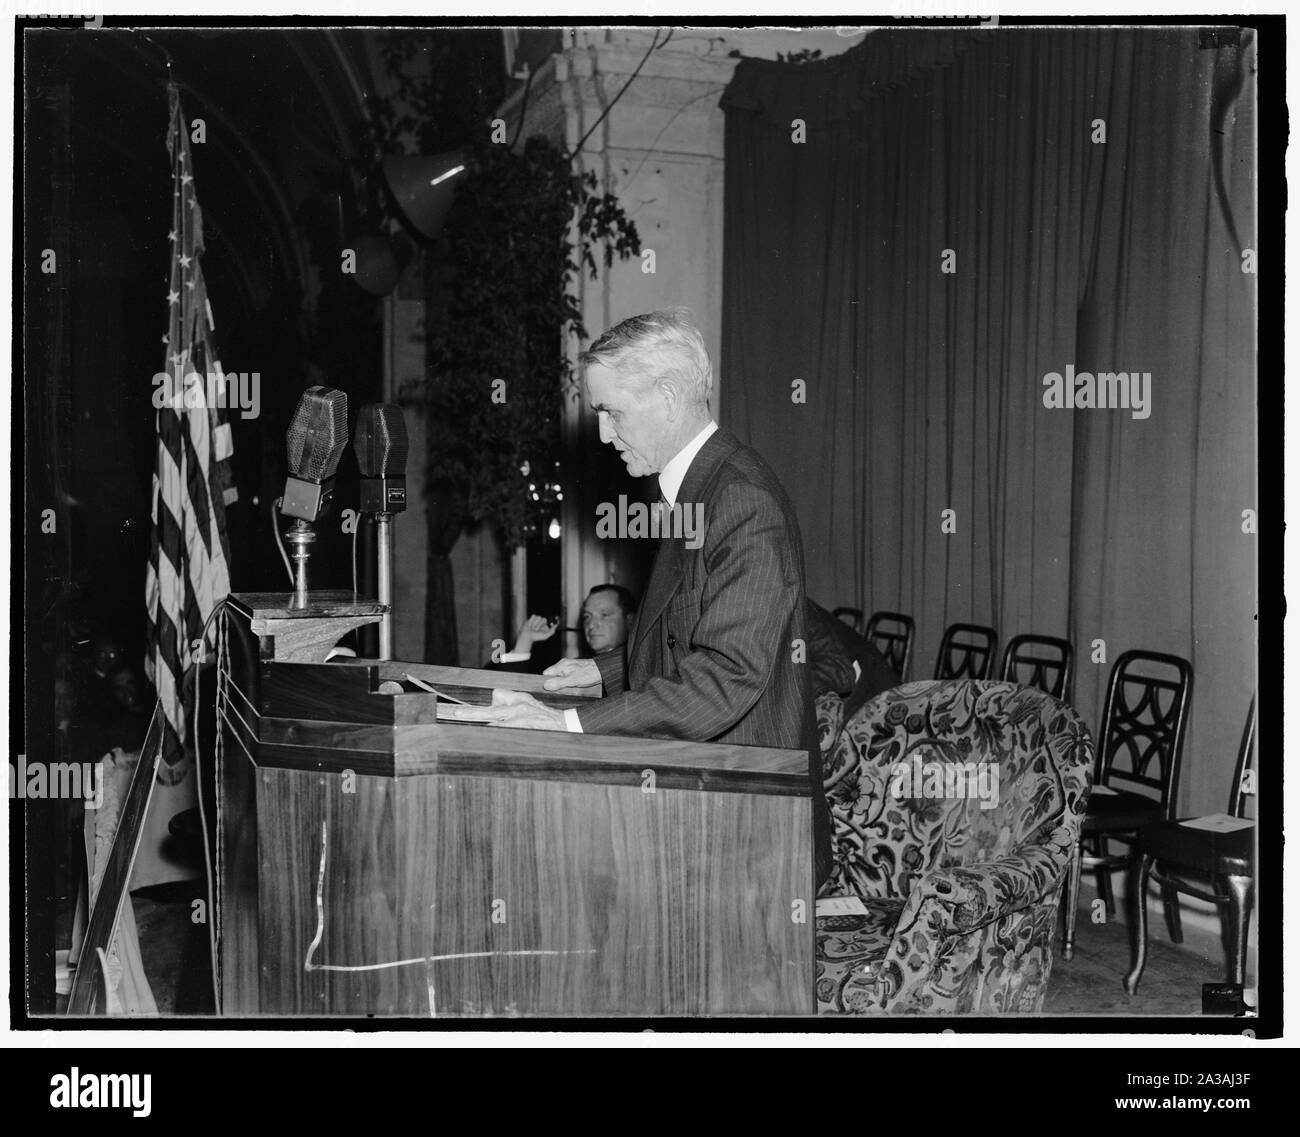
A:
{"x":674,"y":471}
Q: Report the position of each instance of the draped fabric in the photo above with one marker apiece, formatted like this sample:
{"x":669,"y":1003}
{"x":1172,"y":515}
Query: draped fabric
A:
{"x":921,"y":230}
{"x":188,"y":573}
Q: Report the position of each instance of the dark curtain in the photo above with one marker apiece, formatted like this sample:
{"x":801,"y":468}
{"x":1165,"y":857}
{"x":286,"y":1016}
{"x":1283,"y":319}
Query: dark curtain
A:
{"x":923,"y":389}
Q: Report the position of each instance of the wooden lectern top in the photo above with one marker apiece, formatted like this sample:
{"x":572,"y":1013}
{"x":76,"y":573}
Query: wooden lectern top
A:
{"x":332,"y":717}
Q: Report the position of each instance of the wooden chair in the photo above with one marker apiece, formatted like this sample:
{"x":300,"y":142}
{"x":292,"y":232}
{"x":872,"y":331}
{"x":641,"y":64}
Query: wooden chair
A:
{"x":967,"y":651}
{"x":1144,"y":721}
{"x":1213,"y":865}
{"x":891,"y":633}
{"x":851,"y":616}
{"x":1044,"y":662}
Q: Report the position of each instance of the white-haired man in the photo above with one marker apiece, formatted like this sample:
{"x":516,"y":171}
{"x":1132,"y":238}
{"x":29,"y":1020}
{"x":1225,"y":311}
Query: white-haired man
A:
{"x":713,"y":654}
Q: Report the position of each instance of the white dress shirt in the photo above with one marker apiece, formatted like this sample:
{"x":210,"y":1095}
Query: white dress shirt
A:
{"x":674,"y":471}
{"x":670,"y":485}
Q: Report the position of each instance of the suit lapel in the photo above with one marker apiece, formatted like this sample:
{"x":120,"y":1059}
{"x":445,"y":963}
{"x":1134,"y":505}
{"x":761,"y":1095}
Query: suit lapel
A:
{"x":668,"y":572}
{"x":665,"y":577}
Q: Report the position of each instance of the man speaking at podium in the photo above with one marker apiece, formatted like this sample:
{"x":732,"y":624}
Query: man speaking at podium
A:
{"x":716,"y":654}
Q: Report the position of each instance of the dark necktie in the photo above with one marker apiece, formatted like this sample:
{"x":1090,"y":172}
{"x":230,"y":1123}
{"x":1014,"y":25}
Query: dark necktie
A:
{"x":661,"y":508}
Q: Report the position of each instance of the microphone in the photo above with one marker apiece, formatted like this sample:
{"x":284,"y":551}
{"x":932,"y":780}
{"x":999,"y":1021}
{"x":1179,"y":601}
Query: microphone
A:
{"x":382,"y":444}
{"x":315,"y":440}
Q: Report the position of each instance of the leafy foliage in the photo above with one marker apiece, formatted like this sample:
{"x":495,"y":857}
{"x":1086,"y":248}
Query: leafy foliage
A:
{"x":526,"y":223}
{"x":523,"y":228}
{"x":448,"y":85}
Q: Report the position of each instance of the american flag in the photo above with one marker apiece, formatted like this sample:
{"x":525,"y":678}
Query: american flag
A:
{"x":188,"y":573}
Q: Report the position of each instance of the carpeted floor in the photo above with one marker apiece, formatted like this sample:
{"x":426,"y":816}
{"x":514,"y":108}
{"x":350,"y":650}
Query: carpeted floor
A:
{"x":1092,"y":983}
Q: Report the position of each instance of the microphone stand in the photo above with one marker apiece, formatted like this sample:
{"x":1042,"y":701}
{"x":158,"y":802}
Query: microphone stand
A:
{"x":384,"y":574}
{"x":381,"y":444}
{"x":299,"y":538}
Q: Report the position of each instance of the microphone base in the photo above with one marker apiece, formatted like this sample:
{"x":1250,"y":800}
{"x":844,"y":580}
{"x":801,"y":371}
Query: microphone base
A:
{"x":300,"y":539}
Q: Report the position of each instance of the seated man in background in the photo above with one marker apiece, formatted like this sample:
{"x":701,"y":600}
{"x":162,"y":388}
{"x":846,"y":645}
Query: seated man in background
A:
{"x":607,"y":616}
{"x":606,"y":620}
{"x":845,"y":662}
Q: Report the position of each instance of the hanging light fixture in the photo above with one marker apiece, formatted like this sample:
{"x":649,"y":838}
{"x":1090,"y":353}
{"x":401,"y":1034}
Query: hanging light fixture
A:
{"x":381,"y":259}
{"x":423,"y":187}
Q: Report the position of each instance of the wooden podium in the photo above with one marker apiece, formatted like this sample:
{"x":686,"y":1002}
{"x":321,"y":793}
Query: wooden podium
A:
{"x":373,"y":860}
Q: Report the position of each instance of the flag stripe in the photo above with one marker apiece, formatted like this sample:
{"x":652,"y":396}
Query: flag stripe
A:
{"x":188,"y":573}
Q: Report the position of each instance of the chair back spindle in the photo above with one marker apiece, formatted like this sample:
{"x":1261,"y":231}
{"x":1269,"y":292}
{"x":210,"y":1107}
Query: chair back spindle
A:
{"x":967,"y":651}
{"x":1245,"y":762}
{"x":851,"y":616}
{"x":1045,"y":662}
{"x":891,"y":634}
{"x":1144,"y":723}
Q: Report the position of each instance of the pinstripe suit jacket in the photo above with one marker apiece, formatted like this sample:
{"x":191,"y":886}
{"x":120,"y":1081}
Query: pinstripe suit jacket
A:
{"x":710,"y":655}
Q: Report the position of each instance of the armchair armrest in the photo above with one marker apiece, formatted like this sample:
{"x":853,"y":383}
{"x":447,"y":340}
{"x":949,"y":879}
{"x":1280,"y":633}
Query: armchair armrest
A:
{"x":955,"y":901}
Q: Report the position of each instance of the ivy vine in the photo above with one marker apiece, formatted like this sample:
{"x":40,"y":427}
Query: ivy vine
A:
{"x":525,"y":225}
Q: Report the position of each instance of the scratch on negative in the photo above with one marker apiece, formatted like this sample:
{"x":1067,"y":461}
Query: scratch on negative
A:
{"x":308,"y":965}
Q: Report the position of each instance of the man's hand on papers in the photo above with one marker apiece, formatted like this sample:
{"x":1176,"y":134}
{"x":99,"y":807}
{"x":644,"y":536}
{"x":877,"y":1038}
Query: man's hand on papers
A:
{"x":569,"y":674}
{"x":515,"y":708}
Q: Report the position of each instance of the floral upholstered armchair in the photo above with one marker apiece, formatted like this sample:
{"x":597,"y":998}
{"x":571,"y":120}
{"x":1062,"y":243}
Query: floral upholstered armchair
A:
{"x":956,"y":806}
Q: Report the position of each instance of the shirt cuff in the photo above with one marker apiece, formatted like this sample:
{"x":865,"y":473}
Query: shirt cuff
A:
{"x":516,"y":657}
{"x":571,"y":723}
